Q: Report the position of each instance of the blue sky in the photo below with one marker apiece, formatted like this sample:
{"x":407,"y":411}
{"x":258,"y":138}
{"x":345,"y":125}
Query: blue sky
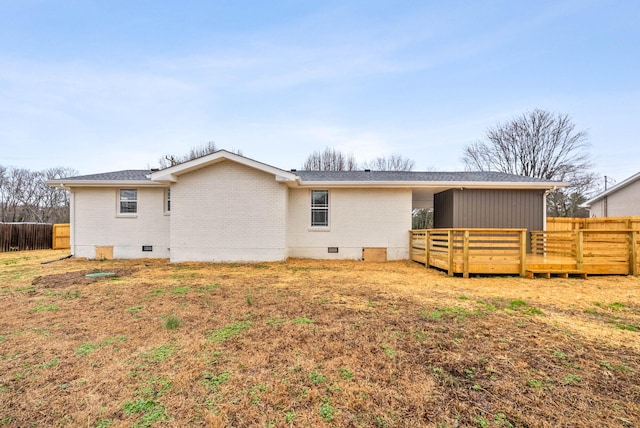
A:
{"x":109,"y":85}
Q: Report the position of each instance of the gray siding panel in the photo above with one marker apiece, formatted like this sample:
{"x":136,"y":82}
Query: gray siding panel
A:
{"x":499,"y":208}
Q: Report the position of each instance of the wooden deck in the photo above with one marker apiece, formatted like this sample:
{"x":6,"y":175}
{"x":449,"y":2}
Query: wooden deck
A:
{"x":505,"y":251}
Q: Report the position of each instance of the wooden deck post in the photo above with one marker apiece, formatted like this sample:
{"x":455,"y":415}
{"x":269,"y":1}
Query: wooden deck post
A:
{"x":426,"y":248}
{"x":465,"y":255}
{"x":412,"y":236}
{"x":633,"y":253}
{"x":523,"y":253}
{"x":580,"y":249}
{"x":450,"y":246}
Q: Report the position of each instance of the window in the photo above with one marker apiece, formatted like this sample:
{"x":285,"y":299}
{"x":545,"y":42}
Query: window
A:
{"x":128,"y":201}
{"x":319,"y":208}
{"x":167,"y":201}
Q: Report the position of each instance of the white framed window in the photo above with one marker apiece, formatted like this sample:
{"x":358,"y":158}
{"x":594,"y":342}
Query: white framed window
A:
{"x":320,"y":208}
{"x":128,"y":201}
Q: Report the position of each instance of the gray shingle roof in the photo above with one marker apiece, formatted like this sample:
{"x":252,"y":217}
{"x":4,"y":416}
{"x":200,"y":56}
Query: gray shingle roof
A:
{"x":125,"y":175}
{"x":414,"y":176}
{"x":348,"y":176}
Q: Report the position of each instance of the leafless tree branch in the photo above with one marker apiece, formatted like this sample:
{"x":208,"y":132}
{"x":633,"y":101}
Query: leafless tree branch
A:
{"x":539,"y":144}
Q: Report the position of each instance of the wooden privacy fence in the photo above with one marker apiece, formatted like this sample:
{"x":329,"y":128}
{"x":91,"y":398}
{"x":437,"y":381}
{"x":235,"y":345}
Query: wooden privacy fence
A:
{"x":592,"y":251}
{"x":25,"y":236}
{"x":33,"y":236}
{"x":467,"y":251}
{"x":609,"y":223}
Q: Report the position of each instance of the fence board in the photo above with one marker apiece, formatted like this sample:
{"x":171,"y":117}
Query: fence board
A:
{"x":610,"y":223}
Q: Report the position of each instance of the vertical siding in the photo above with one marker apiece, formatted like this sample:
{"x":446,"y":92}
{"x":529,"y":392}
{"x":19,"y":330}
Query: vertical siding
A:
{"x":228,"y":212}
{"x":498,"y":208}
{"x":597,"y":209}
{"x":358,"y":218}
{"x":443,"y":209}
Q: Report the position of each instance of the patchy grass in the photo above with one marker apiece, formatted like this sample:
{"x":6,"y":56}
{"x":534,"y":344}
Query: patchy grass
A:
{"x":229,"y":331}
{"x":172,"y":322}
{"x":311,"y":343}
{"x":44,"y":308}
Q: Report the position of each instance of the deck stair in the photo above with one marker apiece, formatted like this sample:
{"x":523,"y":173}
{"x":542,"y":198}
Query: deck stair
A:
{"x":562,"y":273}
{"x":546,"y":267}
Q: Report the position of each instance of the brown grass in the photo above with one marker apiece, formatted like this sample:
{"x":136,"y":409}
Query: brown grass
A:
{"x":311,"y":343}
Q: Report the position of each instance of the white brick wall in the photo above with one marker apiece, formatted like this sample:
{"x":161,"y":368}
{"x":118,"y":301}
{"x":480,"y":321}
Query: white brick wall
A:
{"x":228,"y":212}
{"x":357,"y":218}
{"x":95,"y":222}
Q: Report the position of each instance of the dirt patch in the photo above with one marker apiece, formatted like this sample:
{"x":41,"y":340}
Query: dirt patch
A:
{"x":59,"y":280}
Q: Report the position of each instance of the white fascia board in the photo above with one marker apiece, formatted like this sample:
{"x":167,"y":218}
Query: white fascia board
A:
{"x":436,"y":184}
{"x":171,"y":174}
{"x":103,"y":183}
{"x":613,"y":189}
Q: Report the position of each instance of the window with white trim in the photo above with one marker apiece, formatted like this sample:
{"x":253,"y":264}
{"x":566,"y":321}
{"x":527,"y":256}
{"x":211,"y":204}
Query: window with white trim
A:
{"x":128,"y":201}
{"x":167,"y":201}
{"x":319,"y":208}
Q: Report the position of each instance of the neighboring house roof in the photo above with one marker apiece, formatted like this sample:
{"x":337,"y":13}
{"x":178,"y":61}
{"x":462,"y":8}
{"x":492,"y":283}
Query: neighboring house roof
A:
{"x":613,"y":189}
{"x":293,"y":178}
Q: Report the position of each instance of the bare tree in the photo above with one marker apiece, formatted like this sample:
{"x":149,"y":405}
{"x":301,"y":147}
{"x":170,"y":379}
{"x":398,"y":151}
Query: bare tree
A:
{"x":391,"y":163}
{"x":539,"y":144}
{"x":334,"y":160}
{"x":197,"y":151}
{"x":330,"y":160}
{"x":422,"y":218}
{"x":54,"y":201}
{"x":25,"y":195}
{"x":14,"y":188}
{"x":4,"y":194}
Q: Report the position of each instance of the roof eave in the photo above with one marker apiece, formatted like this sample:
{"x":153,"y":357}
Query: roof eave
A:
{"x":437,"y":184}
{"x":104,"y":183}
{"x":614,"y":189}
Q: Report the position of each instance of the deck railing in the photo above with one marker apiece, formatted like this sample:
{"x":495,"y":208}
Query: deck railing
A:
{"x":595,"y":251}
{"x":504,"y":251}
{"x":467,"y":251}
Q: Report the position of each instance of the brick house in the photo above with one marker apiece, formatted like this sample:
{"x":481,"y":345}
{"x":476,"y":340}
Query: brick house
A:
{"x":226,"y":207}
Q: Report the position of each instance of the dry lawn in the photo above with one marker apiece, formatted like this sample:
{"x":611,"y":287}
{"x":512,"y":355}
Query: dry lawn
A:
{"x":311,"y":343}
